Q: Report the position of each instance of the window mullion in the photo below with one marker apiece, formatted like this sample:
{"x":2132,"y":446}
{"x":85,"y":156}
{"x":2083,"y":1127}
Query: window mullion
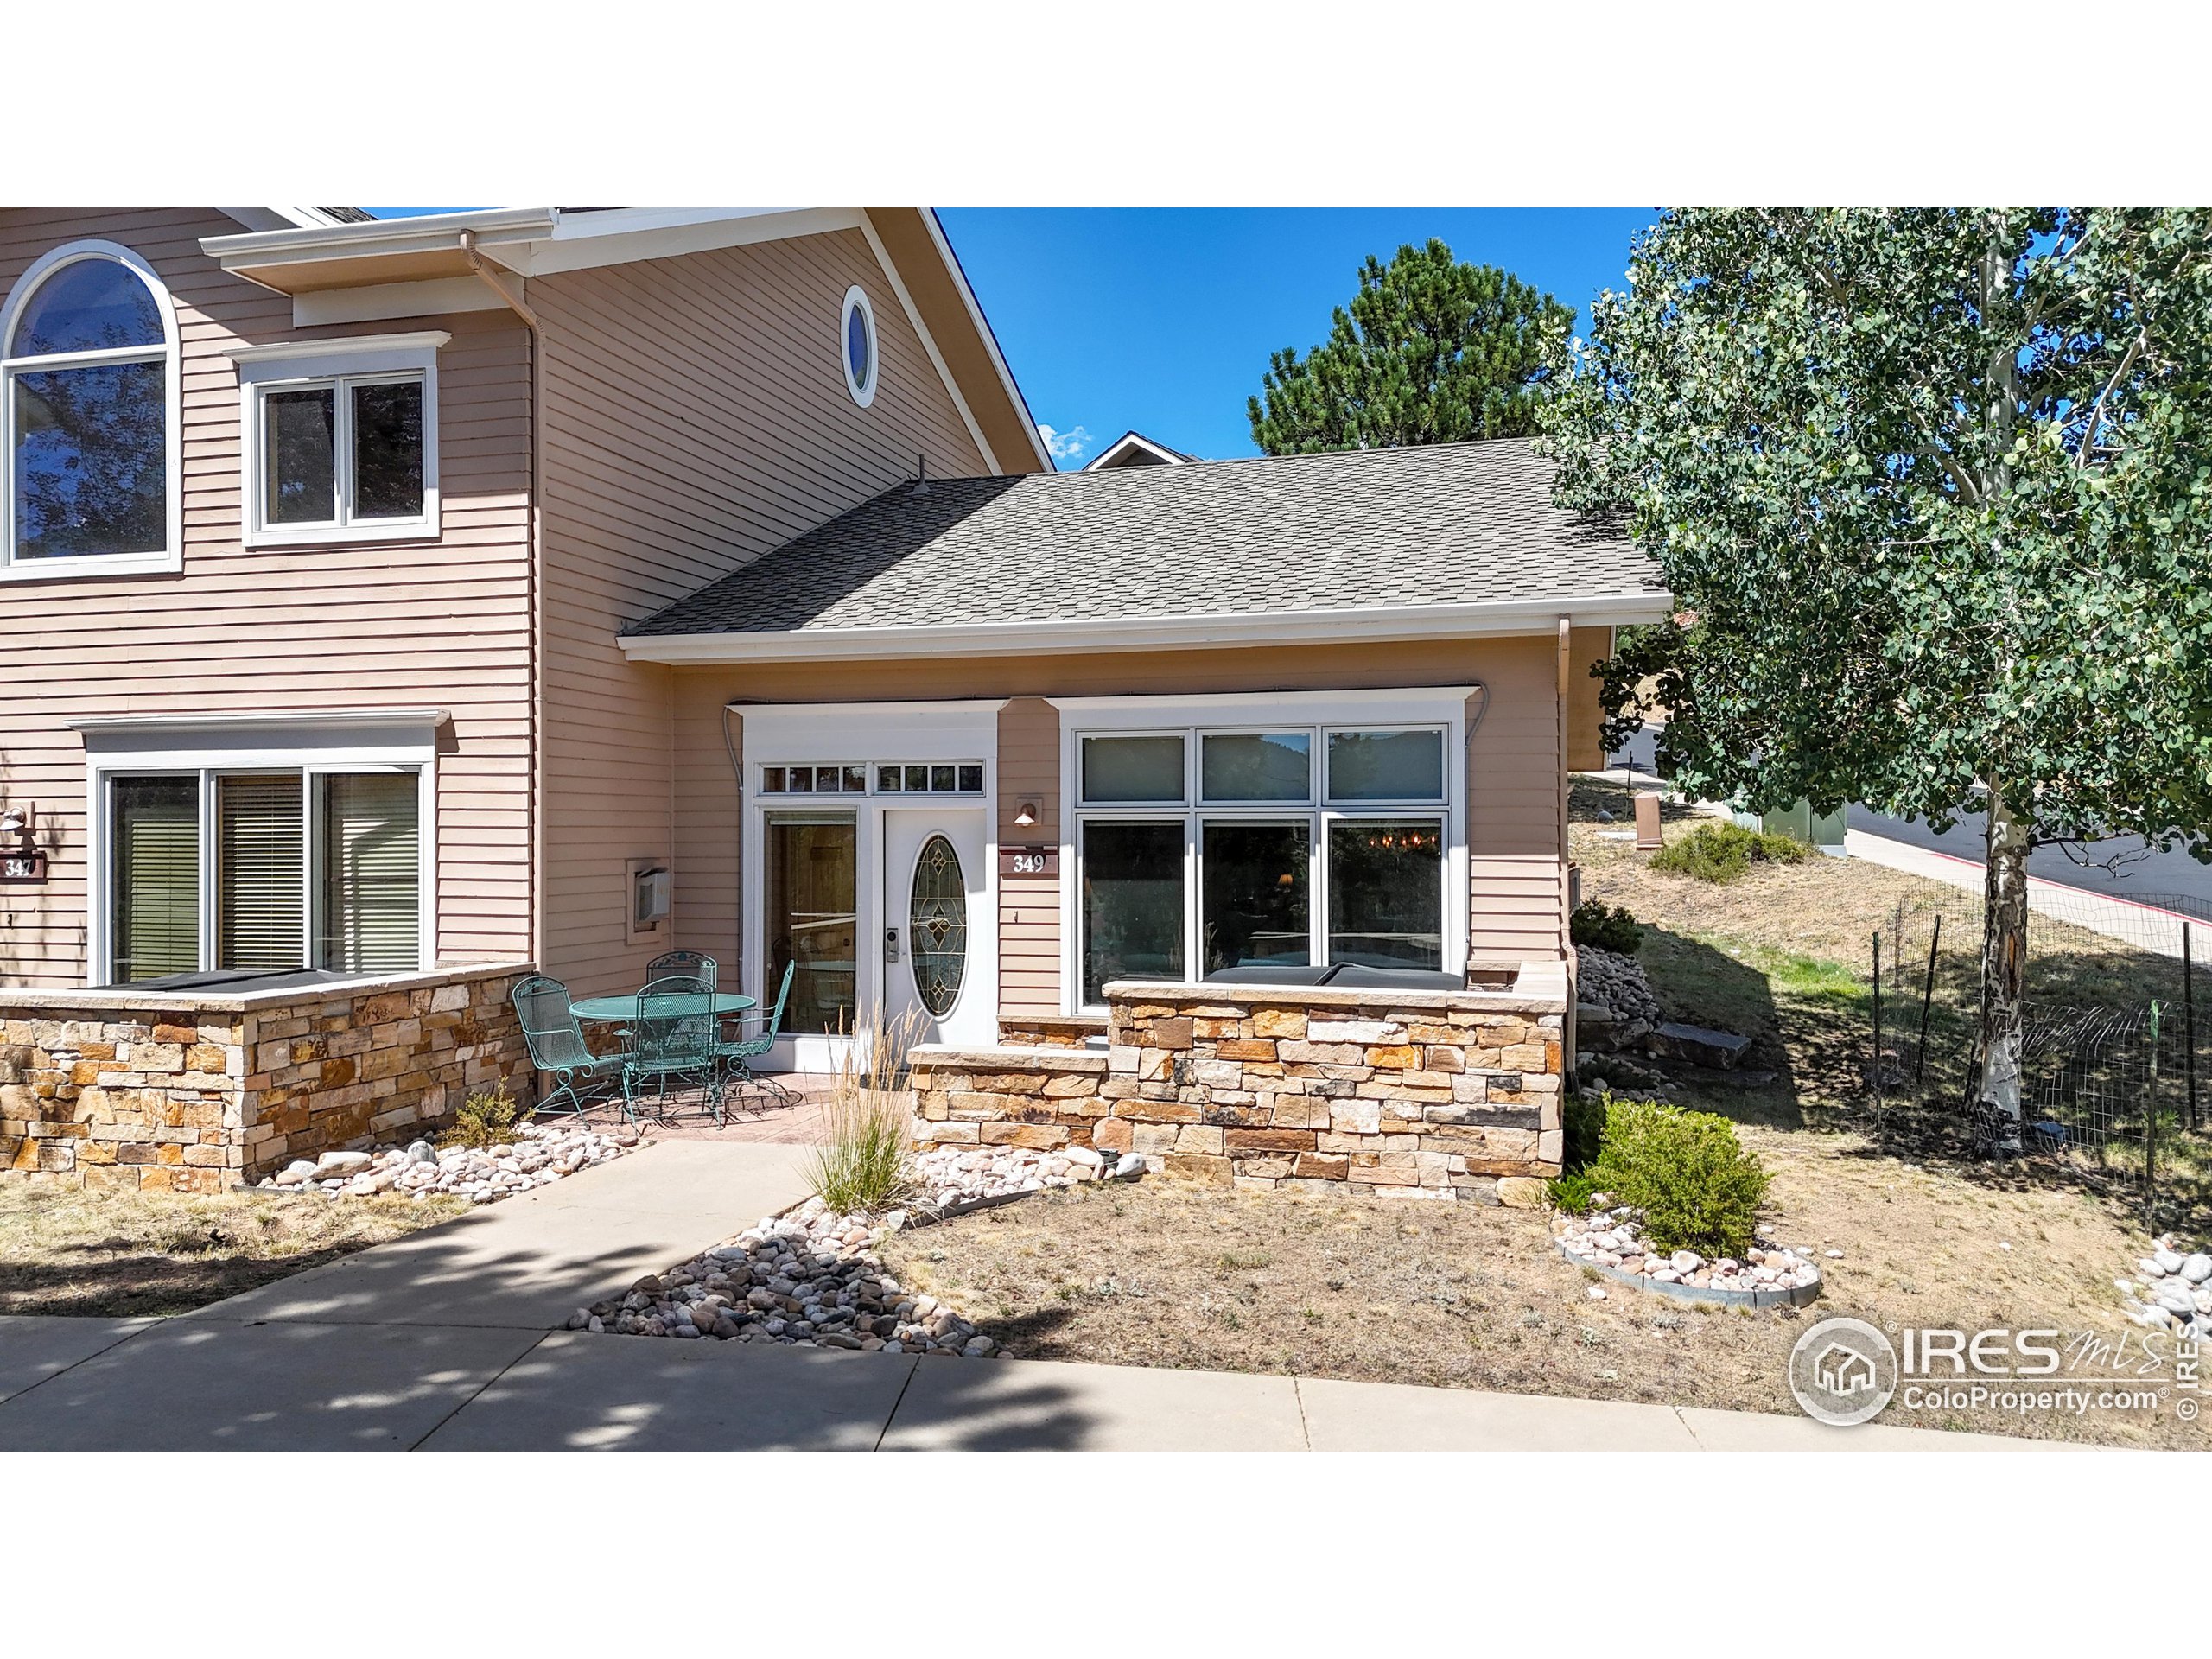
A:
{"x":342,"y":446}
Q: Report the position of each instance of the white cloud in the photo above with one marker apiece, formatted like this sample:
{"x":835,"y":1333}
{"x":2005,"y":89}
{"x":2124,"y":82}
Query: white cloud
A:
{"x":1065,"y":446}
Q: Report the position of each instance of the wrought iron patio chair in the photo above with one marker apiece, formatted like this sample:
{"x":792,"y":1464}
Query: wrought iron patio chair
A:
{"x":737,"y":1056}
{"x":696,"y":965}
{"x":673,"y":1037}
{"x":581,"y":1078}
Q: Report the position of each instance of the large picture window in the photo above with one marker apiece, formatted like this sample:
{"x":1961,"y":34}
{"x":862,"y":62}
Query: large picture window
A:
{"x":88,"y":400}
{"x":262,"y":871}
{"x":1215,"y":854}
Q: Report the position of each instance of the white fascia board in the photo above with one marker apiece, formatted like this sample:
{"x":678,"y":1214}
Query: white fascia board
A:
{"x":1375,"y":624}
{"x":433,"y":233}
{"x":1134,"y":440}
{"x":617,"y":235}
{"x":441,"y":297}
{"x":990,"y":340}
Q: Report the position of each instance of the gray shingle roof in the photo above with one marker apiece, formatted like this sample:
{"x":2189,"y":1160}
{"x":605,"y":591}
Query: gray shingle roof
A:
{"x":1450,"y":522}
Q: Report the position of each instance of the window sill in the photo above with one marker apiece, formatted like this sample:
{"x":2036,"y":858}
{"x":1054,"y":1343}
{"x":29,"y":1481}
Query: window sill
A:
{"x":414,"y":529}
{"x":97,"y":564}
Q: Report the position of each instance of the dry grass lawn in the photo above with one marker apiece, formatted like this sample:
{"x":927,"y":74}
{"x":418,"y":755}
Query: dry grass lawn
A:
{"x":1457,"y":1295}
{"x":1461,"y":1296}
{"x":107,"y":1250}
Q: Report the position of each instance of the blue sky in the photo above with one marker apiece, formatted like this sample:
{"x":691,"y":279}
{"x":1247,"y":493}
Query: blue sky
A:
{"x":1161,"y":320}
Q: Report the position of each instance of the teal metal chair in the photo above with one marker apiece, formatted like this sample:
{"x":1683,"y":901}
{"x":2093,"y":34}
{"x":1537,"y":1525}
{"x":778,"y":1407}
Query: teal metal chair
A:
{"x":737,"y":1057}
{"x":695,"y":965}
{"x":581,"y":1078}
{"x":673,"y":1039}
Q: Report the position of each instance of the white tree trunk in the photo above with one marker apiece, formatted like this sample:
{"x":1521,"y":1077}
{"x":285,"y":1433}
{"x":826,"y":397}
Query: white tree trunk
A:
{"x":2003,"y":969}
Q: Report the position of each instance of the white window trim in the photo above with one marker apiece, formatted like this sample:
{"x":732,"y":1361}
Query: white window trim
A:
{"x":856,"y":299}
{"x":1319,"y":712}
{"x":235,"y":747}
{"x":294,"y":365}
{"x":166,"y":559}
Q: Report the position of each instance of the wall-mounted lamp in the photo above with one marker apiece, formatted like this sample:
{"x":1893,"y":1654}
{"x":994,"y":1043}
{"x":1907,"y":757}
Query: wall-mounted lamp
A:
{"x":16,"y":820}
{"x":1026,"y":814}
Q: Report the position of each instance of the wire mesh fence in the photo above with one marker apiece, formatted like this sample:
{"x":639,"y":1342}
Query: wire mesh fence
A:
{"x":2116,"y":1056}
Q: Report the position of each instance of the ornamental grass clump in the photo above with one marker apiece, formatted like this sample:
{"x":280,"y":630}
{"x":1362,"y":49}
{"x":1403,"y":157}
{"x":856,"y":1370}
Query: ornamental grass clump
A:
{"x":1696,"y":1185}
{"x":1723,"y":852}
{"x":861,"y":1168}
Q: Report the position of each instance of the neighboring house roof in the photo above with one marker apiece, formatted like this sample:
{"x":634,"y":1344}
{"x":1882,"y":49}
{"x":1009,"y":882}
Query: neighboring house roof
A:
{"x":1134,"y":449}
{"x":1415,"y":542}
{"x":438,"y":257}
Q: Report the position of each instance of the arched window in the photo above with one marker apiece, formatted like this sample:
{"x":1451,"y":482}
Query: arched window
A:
{"x":88,"y":401}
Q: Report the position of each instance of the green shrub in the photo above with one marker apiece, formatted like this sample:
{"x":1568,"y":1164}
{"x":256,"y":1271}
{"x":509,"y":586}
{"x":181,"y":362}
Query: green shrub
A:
{"x":485,"y":1119}
{"x":1698,"y":1188}
{"x":1721,"y":851}
{"x":1604,"y":927}
{"x":1571,"y":1194}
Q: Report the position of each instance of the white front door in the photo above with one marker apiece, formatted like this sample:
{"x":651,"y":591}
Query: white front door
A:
{"x":938,"y":938}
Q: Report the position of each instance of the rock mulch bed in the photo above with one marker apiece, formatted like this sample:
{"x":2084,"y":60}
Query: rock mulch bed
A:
{"x":539,"y":1156}
{"x":810,"y":1276}
{"x":952,"y":1177}
{"x":1615,"y":985}
{"x":1615,"y":1238}
{"x":2174,"y":1293}
{"x":814,"y":1276}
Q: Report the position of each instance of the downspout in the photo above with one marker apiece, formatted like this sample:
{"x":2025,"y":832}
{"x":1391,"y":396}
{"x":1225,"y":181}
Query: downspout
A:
{"x":1565,"y":882}
{"x":509,"y":287}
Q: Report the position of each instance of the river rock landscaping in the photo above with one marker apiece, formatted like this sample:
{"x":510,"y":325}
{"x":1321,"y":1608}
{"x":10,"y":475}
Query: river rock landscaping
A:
{"x":539,"y":1156}
{"x":1615,"y":1238}
{"x":810,"y":1276}
{"x":816,"y":1277}
{"x":2175,"y":1292}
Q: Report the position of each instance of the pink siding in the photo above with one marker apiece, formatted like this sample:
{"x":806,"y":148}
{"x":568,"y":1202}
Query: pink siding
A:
{"x":441,"y":625}
{"x":696,"y":416}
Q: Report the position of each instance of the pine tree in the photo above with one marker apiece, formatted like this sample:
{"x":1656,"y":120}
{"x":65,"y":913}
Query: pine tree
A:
{"x":1429,"y":351}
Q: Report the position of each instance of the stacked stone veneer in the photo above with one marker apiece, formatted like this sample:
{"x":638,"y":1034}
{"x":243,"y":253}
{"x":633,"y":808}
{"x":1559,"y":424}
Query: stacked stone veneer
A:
{"x":1397,"y":1095}
{"x":193,"y":1093}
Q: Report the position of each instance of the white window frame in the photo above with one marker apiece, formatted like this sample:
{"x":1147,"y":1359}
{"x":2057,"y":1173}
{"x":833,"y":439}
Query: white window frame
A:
{"x":856,"y":299}
{"x":275,"y":749}
{"x":166,"y":559}
{"x":337,"y":366}
{"x":1441,"y":709}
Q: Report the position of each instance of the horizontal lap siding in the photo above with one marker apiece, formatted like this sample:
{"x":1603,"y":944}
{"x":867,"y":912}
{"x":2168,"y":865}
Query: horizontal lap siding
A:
{"x":443,"y":624}
{"x":696,"y":417}
{"x":1029,"y":905}
{"x":1515,"y":877}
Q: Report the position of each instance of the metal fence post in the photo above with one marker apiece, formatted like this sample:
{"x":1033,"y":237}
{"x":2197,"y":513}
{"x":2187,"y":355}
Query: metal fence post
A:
{"x":1927,"y":996}
{"x":2151,"y":1123}
{"x":1875,"y":1074}
{"x":2189,"y":1022}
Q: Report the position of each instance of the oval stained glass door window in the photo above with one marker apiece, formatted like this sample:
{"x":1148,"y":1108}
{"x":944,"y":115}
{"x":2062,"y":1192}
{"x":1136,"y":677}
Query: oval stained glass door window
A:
{"x":938,"y":926}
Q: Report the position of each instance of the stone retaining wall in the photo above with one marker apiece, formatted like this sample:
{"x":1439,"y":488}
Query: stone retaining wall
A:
{"x":1394,"y":1094}
{"x":193,"y":1092}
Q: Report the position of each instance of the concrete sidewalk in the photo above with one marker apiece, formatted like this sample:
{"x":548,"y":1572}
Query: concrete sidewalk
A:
{"x":198,"y":1384}
{"x":528,"y":1263}
{"x":445,"y":1340}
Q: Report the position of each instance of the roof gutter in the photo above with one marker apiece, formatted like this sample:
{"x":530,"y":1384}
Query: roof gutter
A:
{"x":1370,"y":623}
{"x":432,"y":233}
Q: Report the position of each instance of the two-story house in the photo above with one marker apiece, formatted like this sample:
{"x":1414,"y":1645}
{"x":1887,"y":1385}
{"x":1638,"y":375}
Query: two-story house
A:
{"x":389,"y":604}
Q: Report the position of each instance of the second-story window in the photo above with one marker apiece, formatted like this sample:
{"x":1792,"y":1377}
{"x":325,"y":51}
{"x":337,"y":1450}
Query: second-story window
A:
{"x":88,"y":400}
{"x":342,"y":439}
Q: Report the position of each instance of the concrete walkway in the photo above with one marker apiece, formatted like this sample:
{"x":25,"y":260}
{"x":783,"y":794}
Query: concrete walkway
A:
{"x":444,"y":1340}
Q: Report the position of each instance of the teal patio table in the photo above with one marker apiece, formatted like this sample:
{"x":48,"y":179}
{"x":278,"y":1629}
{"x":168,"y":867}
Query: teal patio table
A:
{"x":721,"y":1004}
